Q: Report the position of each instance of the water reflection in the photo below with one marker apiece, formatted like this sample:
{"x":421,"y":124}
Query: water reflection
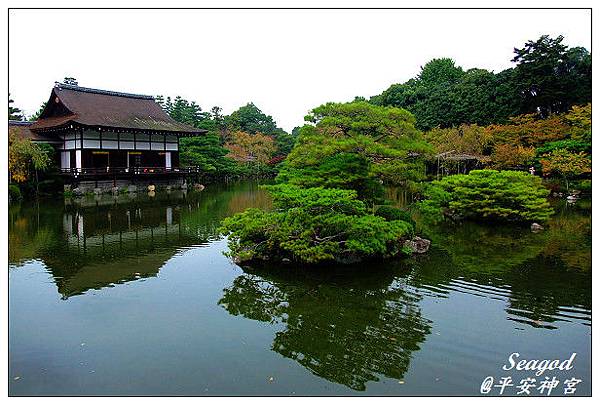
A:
{"x":348,"y":325}
{"x":347,"y":328}
{"x":545,"y":276}
{"x":97,"y":242}
{"x":354,"y":325}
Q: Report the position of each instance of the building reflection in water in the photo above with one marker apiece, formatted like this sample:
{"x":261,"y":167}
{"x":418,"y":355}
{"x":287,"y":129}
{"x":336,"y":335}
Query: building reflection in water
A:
{"x":98,"y":242}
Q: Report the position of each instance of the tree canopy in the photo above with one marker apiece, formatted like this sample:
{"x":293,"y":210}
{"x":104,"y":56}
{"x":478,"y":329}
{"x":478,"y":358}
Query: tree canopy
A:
{"x":312,"y":225}
{"x":489,"y":195}
{"x":548,"y":77}
{"x":246,"y":142}
{"x":25,"y":157}
{"x":355,"y":146}
{"x":551,"y":77}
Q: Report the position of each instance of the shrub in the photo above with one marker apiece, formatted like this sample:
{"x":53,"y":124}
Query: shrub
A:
{"x":313,"y":225}
{"x":584,"y":185}
{"x":348,"y":171}
{"x":14,"y":193}
{"x":391,"y":213}
{"x":489,"y":195}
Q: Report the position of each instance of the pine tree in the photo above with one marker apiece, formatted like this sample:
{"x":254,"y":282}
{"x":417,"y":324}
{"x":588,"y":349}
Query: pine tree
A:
{"x":14,"y":113}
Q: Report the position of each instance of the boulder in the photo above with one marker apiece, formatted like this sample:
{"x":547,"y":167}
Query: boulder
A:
{"x":199,"y":187}
{"x":418,"y":245}
{"x":151,"y":188}
{"x":535,"y":227}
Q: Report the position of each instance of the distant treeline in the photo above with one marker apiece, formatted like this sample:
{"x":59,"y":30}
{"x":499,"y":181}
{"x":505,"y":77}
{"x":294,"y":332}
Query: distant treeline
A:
{"x":536,"y":113}
{"x":548,"y":78}
{"x":245,"y":143}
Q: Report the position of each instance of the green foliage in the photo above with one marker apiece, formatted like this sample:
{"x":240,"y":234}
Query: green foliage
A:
{"x":207,"y":153}
{"x":343,"y":170}
{"x":313,"y":225}
{"x":36,"y":115}
{"x":571,"y":145}
{"x":440,"y":71}
{"x":579,"y":120}
{"x":387,"y":124}
{"x":25,"y":157}
{"x":566,"y":164}
{"x":489,"y":195}
{"x":210,"y":151}
{"x":583,"y":185}
{"x":356,"y":146}
{"x":14,"y":113}
{"x":14,"y":193}
{"x":252,"y":120}
{"x":551,"y":77}
{"x":284,"y":142}
{"x":548,"y":78}
{"x":186,"y":112}
{"x":443,"y":95}
{"x":405,"y":172}
{"x":391,"y":213}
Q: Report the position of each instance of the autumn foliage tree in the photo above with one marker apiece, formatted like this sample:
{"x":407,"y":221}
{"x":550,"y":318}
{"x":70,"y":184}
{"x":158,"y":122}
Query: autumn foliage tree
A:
{"x":251,"y":150}
{"x":566,"y":164}
{"x":579,"y":120}
{"x":529,"y":130}
{"x":26,"y":159}
{"x":507,"y":156}
{"x":466,"y":138}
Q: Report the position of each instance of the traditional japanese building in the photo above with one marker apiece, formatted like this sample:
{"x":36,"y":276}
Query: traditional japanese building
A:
{"x":108,"y":135}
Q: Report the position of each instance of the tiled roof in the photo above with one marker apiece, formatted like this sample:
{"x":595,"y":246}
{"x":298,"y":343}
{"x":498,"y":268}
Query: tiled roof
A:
{"x":103,"y":108}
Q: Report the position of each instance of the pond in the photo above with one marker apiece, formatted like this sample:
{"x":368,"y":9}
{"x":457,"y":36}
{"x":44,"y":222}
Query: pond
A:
{"x":133,"y":296}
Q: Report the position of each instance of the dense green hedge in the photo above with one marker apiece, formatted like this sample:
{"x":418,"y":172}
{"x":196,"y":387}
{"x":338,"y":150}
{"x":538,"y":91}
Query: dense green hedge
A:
{"x":489,"y":195}
{"x":314,"y":225}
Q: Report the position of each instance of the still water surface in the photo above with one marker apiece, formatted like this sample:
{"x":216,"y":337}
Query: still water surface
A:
{"x":134,"y":297}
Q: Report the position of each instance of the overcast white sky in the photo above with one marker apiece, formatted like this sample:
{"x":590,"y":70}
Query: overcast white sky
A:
{"x":286,"y":62}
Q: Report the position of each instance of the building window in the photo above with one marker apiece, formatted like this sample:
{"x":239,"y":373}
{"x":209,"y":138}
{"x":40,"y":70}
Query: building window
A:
{"x":91,"y":144}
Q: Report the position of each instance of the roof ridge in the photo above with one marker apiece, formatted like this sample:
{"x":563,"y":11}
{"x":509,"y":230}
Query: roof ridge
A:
{"x":100,"y":91}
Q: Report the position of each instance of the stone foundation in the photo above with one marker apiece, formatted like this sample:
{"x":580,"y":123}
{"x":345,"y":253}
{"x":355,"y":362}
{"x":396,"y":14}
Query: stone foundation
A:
{"x":124,"y":186}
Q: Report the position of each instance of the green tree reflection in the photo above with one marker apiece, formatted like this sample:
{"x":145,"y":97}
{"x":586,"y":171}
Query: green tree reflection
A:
{"x":346,"y":328}
{"x":539,"y":274}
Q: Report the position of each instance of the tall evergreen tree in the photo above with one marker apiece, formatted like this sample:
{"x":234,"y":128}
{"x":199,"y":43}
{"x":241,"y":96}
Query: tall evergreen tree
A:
{"x":551,"y":77}
{"x":14,"y":113}
{"x":548,"y":78}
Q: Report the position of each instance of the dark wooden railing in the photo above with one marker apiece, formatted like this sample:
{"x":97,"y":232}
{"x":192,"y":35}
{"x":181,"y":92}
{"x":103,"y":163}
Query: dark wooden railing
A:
{"x":103,"y":171}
